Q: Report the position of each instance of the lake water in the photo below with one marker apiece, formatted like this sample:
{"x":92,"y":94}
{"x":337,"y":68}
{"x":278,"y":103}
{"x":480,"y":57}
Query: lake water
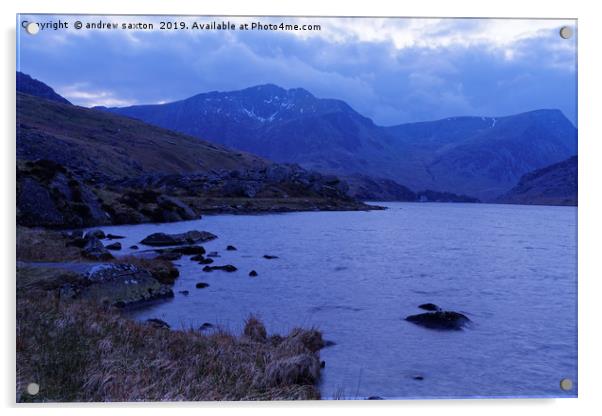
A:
{"x":356,"y":275}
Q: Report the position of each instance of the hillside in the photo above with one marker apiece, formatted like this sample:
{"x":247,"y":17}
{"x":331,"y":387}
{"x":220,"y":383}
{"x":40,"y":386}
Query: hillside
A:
{"x":80,"y":167}
{"x":31,"y":86}
{"x":552,"y":185}
{"x":477,"y":156}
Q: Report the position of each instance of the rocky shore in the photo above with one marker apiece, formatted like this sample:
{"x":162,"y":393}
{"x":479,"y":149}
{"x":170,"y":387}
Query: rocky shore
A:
{"x":74,"y":342}
{"x":51,"y":195}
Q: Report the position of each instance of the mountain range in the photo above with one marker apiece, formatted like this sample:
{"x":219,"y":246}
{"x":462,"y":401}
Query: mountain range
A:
{"x":483,"y":157}
{"x":79,"y":167}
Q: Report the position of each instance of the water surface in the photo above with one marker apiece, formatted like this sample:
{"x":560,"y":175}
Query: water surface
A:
{"x":356,"y":275}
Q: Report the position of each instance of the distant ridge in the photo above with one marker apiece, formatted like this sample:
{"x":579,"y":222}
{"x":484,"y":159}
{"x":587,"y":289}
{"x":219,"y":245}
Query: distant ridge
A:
{"x":553,"y":185}
{"x":483,"y":157}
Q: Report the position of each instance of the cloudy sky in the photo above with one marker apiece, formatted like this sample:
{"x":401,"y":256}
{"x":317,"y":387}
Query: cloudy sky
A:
{"x":392,"y":70}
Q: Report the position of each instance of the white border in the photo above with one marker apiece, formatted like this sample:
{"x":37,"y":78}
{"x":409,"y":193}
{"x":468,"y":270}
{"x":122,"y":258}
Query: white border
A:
{"x":590,"y":136}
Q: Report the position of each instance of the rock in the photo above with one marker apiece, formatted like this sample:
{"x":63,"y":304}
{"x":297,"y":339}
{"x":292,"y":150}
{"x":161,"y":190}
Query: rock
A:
{"x":114,"y":236}
{"x":374,"y":398}
{"x":202,"y":285}
{"x":122,"y":285}
{"x":198,"y":257}
{"x":328,"y":343}
{"x":418,"y":377}
{"x":100,"y":234}
{"x":445,"y":320}
{"x":267,"y":256}
{"x":134,"y":247}
{"x":231,"y":248}
{"x":35,"y":205}
{"x":227,"y":268}
{"x":114,"y":246}
{"x":429,"y":307}
{"x":184,"y":292}
{"x":205,"y":261}
{"x":205,"y":326}
{"x":95,"y":250}
{"x":213,"y":254}
{"x":322,"y":364}
{"x":253,"y":273}
{"x":175,"y":205}
{"x":171,"y":256}
{"x":189,"y":250}
{"x":158,"y":323}
{"x":189,"y":237}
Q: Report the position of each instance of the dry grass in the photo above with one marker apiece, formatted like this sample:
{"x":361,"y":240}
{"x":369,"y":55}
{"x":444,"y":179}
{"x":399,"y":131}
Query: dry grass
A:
{"x":78,"y":351}
{"x":35,"y":244}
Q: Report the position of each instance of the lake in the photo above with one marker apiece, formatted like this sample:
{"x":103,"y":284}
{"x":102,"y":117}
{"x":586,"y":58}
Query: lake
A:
{"x":356,"y":275}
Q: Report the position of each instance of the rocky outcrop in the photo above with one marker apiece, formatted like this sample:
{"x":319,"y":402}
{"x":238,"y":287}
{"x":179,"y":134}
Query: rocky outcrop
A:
{"x":123,"y":284}
{"x":189,"y":237}
{"x":49,"y":195}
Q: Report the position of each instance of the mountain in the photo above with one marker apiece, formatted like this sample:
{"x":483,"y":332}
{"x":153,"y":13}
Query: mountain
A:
{"x":31,"y":86}
{"x":553,"y":185}
{"x":367,"y":188}
{"x":80,"y":167}
{"x":478,"y":156}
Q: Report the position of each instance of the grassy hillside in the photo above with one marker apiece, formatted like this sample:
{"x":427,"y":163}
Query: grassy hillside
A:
{"x":95,"y":142}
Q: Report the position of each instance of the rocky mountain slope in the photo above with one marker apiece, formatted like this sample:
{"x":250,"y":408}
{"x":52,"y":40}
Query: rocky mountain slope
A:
{"x":79,"y":167}
{"x":31,"y":86}
{"x":478,"y":156}
{"x":553,"y":185}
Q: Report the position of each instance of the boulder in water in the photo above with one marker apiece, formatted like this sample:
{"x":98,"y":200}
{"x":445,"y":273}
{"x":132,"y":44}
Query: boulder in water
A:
{"x":114,"y":246}
{"x":445,"y":320}
{"x":189,"y":237}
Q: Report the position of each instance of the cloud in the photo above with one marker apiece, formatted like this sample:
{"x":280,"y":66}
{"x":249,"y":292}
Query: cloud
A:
{"x":392,"y":70}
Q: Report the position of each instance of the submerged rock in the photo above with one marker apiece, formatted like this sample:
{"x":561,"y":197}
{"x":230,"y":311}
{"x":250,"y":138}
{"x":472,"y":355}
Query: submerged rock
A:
{"x":269,"y":257}
{"x":184,"y":292}
{"x":169,"y":256}
{"x":429,"y":307}
{"x":205,"y":326}
{"x":446,"y":320}
{"x":114,"y":236}
{"x":231,"y":248}
{"x":227,"y":268}
{"x":213,"y":254}
{"x":134,"y":247}
{"x":202,"y":285}
{"x":188,"y":250}
{"x":189,"y":237}
{"x":253,"y":273}
{"x":114,"y":246}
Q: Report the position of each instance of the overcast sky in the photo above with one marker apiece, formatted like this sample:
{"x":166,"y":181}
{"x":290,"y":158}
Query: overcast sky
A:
{"x":391,"y":70}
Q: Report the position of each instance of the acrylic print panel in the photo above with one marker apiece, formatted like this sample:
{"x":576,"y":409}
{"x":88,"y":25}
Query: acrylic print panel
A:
{"x":262,"y":208}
